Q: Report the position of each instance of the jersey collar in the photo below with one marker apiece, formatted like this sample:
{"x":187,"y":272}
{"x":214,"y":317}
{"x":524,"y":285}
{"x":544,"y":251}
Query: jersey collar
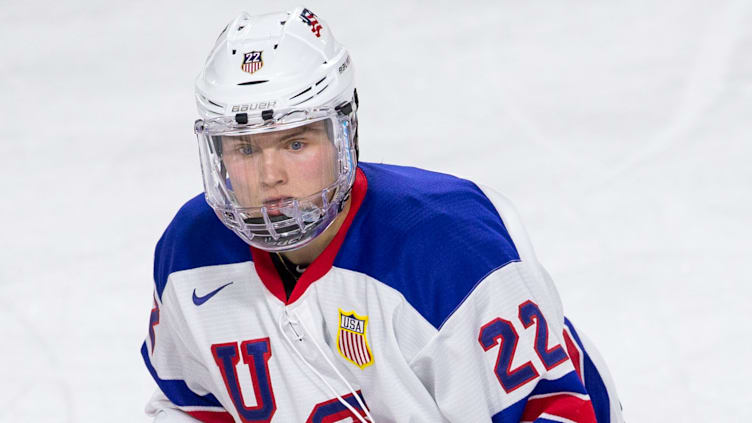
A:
{"x":268,"y":273}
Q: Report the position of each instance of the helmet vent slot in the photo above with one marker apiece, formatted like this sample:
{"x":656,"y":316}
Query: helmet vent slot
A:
{"x":301,"y":102}
{"x":321,"y":80}
{"x":325,"y":87}
{"x":253,"y":82}
{"x":301,"y":93}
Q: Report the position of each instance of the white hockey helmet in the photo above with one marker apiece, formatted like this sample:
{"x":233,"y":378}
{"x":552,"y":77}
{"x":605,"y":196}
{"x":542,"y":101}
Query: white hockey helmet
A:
{"x":277,"y":134}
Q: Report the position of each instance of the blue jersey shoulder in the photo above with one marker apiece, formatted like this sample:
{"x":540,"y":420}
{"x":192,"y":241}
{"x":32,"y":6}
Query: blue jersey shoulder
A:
{"x":431,"y":236}
{"x":195,"y":238}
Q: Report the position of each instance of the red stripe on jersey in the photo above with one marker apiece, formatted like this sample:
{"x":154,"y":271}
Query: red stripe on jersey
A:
{"x":363,"y":350}
{"x":345,"y":348}
{"x":212,"y":416}
{"x":356,"y":349}
{"x":348,"y":347}
{"x":562,"y":405}
{"x":574,"y":354}
{"x":268,"y":273}
{"x":352,"y":350}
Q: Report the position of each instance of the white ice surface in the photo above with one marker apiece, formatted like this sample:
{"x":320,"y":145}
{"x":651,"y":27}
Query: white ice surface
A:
{"x":617,"y":128}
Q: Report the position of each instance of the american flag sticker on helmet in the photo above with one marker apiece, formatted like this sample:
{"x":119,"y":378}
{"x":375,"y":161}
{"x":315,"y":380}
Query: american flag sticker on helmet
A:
{"x":252,"y":61}
{"x":352,"y":343}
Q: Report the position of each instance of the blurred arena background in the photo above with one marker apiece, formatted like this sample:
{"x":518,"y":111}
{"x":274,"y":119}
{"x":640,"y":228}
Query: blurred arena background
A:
{"x":617,"y":128}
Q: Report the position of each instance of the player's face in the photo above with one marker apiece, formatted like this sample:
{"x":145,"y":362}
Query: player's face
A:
{"x":266,"y":169}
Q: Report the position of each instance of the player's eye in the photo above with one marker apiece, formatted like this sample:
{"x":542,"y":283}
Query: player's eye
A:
{"x":245,"y":149}
{"x":296,"y":145}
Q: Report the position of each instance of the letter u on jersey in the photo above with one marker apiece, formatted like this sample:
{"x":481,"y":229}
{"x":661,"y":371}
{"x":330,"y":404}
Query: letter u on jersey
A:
{"x":256,"y":354}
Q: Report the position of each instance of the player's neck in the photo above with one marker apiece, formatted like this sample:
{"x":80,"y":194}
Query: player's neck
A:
{"x":306,"y":255}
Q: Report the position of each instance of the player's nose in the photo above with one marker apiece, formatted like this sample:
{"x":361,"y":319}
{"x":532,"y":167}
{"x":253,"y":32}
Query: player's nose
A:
{"x":272,"y":169}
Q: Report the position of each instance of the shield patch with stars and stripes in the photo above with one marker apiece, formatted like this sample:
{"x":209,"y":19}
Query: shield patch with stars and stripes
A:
{"x":252,"y":61}
{"x":351,"y":339}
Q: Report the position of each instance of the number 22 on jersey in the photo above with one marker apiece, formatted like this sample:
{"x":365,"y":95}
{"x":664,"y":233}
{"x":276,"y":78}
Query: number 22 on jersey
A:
{"x":501,"y":332}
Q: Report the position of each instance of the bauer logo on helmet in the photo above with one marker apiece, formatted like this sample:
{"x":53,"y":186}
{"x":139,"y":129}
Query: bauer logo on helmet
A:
{"x":261,"y":105}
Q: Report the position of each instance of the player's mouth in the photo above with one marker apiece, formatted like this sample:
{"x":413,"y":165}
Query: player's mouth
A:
{"x":274,"y":204}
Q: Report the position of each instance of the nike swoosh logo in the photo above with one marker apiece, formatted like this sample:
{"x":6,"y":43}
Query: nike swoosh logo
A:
{"x":200,"y":300}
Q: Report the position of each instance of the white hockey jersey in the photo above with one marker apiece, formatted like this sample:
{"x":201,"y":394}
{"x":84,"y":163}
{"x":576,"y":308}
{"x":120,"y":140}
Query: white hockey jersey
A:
{"x":429,"y":305}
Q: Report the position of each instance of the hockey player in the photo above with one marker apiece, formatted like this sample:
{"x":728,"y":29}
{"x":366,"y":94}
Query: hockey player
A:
{"x":306,"y":286}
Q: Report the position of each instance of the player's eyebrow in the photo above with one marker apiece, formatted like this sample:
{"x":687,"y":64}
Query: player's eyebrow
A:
{"x":300,"y":131}
{"x":295,"y":132}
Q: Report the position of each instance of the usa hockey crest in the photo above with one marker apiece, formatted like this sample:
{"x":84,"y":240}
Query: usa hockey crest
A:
{"x":352,"y":343}
{"x":252,"y":61}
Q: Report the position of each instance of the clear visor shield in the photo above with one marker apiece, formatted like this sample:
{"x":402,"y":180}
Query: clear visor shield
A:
{"x":275,"y":184}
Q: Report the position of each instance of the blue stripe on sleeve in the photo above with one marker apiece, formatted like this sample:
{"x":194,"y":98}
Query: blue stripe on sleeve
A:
{"x":593,"y":381}
{"x":567,"y":383}
{"x":176,"y":390}
{"x":511,"y":414}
